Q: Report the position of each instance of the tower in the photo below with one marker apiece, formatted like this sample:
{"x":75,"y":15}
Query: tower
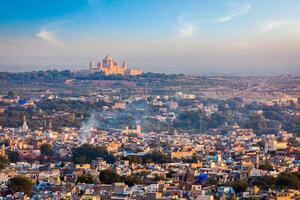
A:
{"x":124,"y":65}
{"x":257,"y":160}
{"x":24,"y":126}
{"x":138,"y":129}
{"x":2,"y":151}
{"x":219,"y":158}
{"x":107,"y":61}
{"x":99,"y":66}
{"x":91,"y":65}
{"x":189,"y":177}
{"x":200,"y":128}
{"x":146,"y":91}
{"x":50,"y":126}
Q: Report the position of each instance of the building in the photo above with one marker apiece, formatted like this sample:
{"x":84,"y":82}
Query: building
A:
{"x":113,"y":147}
{"x":2,"y":151}
{"x":274,"y":145}
{"x":110,"y":67}
{"x":24,"y":127}
{"x":128,"y":131}
{"x":185,"y":152}
{"x":119,"y":105}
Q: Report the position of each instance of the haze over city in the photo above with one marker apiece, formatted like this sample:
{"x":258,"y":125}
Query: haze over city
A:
{"x":149,"y":99}
{"x":179,"y":36}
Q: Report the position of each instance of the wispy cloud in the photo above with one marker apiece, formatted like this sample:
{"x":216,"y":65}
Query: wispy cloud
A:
{"x":186,"y":27}
{"x":188,"y":22}
{"x":57,"y":23}
{"x":49,"y":37}
{"x":239,"y":10}
{"x":268,"y":26}
{"x":186,"y":30}
{"x":49,"y":32}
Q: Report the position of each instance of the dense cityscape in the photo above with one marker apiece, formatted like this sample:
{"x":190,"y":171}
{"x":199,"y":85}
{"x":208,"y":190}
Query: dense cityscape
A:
{"x":149,"y":100}
{"x":86,"y":135}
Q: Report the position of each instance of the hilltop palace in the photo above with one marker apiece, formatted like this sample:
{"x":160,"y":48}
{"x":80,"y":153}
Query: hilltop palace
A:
{"x":110,"y":67}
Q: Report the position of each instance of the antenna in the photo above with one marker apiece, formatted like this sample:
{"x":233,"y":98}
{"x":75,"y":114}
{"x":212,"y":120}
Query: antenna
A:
{"x":146,"y":91}
{"x":200,"y":128}
{"x":50,"y":124}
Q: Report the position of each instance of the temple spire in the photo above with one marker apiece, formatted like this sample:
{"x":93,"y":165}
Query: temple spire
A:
{"x":24,"y":126}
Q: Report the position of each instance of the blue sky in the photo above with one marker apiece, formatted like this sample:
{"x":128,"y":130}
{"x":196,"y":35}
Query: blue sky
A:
{"x":198,"y":36}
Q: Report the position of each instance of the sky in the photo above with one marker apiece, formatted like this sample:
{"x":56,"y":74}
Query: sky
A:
{"x":251,"y":37}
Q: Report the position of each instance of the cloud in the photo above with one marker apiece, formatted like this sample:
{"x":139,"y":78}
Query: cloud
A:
{"x":186,"y":27}
{"x":49,"y":37}
{"x":186,"y":30}
{"x":49,"y":32}
{"x":268,"y":26}
{"x":240,"y":10}
{"x":54,"y":24}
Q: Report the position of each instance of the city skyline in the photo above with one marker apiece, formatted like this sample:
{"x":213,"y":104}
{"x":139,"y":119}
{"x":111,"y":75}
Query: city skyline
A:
{"x":218,"y":37}
{"x":150,"y":99}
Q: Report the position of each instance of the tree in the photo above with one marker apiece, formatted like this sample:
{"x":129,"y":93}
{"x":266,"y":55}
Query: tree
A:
{"x":283,"y":181}
{"x":3,"y":162}
{"x":231,"y":197}
{"x":288,"y":180}
{"x":158,"y":178}
{"x":266,"y":166}
{"x":87,"y":152}
{"x":12,"y":94}
{"x":217,"y":120}
{"x":132,"y":180}
{"x":135,"y":159}
{"x":294,"y":142}
{"x":109,"y":177}
{"x":13,"y":156}
{"x":265,"y":182}
{"x":46,"y":149}
{"x":257,"y":122}
{"x":156,"y":157}
{"x":212,"y":180}
{"x":86,"y":178}
{"x":261,"y":144}
{"x":20,"y":184}
{"x":239,"y":186}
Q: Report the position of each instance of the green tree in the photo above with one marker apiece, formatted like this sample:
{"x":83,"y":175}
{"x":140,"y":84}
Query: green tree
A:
{"x":156,"y":157}
{"x":3,"y":162}
{"x":294,"y":142}
{"x":239,"y":186}
{"x":257,"y":122}
{"x":87,"y":152}
{"x":86,"y":178}
{"x":20,"y":184}
{"x":265,"y":182}
{"x":261,"y":144}
{"x":135,"y":159}
{"x":13,"y":156}
{"x":132,"y":180}
{"x":46,"y":149}
{"x":158,"y":178}
{"x":288,"y":181}
{"x":217,"y":120}
{"x":12,"y":94}
{"x":212,"y":180}
{"x":109,"y":177}
{"x":266,"y":166}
